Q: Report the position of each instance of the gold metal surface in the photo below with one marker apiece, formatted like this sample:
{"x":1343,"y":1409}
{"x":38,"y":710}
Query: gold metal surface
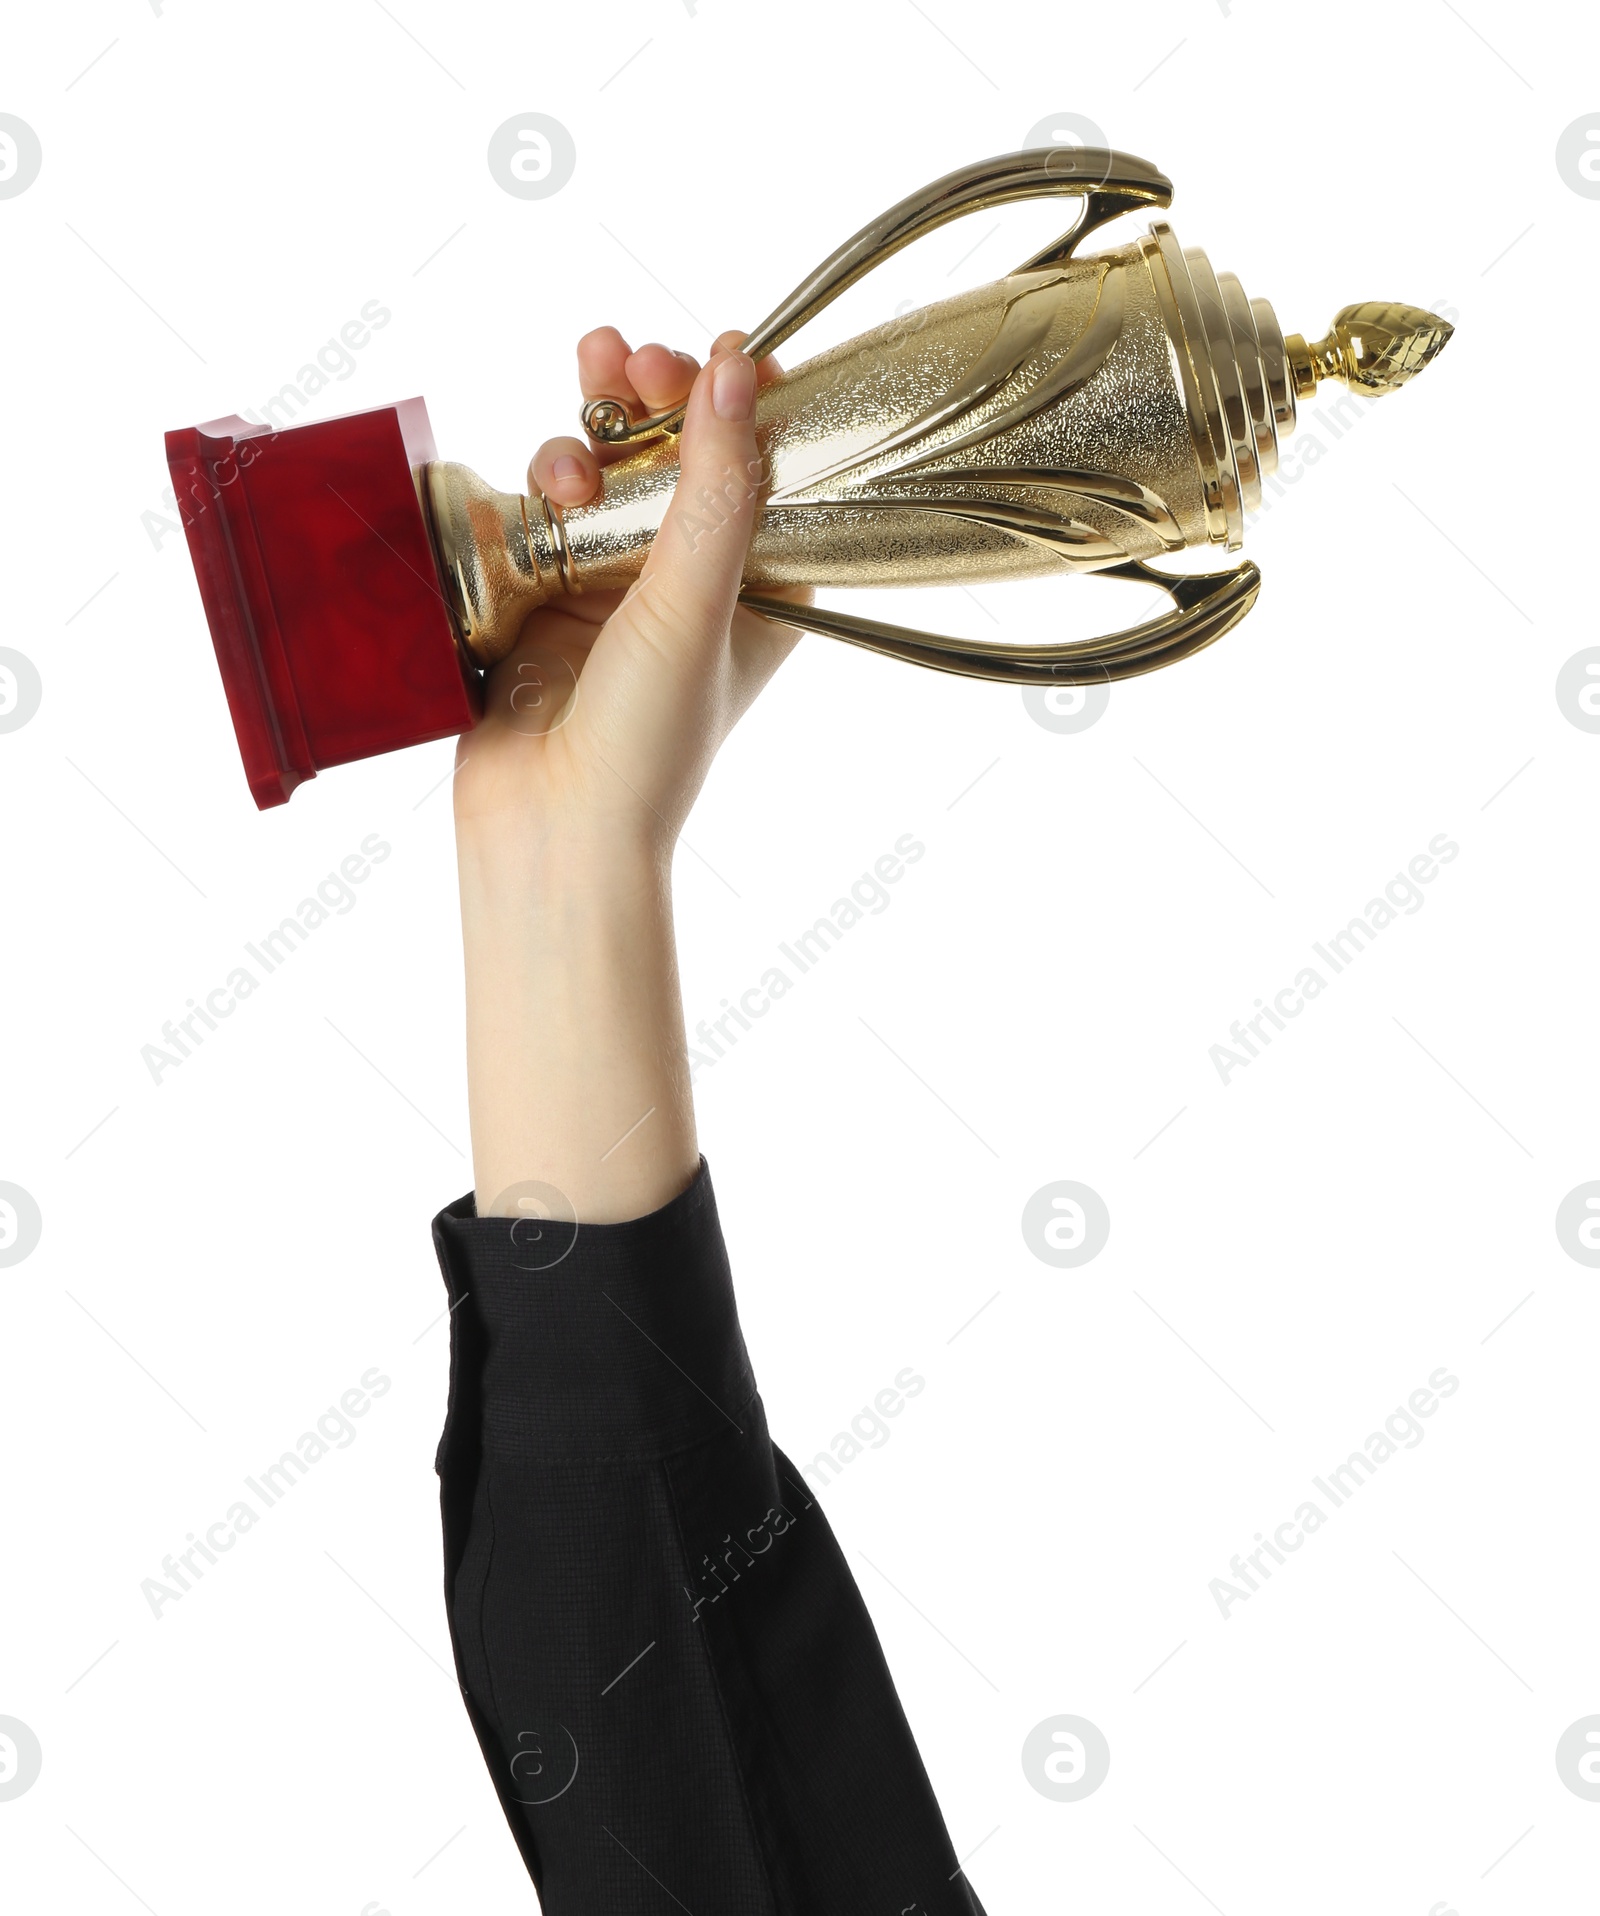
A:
{"x":1373,"y":347}
{"x":1080,"y":414}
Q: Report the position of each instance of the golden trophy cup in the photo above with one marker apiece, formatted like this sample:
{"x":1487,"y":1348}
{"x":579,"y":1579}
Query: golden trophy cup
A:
{"x":1087,"y":412}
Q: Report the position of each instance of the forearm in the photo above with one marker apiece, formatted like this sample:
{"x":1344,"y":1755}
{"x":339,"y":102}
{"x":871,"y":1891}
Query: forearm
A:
{"x":577,"y":1067}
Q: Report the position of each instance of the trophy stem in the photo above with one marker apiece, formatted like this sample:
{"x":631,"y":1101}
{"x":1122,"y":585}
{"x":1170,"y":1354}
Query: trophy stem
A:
{"x":500,"y":556}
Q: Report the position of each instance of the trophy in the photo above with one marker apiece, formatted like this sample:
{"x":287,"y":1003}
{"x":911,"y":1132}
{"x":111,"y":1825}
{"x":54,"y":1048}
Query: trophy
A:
{"x":1088,"y":412}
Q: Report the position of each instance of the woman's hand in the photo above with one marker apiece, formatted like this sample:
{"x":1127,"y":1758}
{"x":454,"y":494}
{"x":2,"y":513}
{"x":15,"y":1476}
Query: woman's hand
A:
{"x":602,"y":723}
{"x":598,"y":731}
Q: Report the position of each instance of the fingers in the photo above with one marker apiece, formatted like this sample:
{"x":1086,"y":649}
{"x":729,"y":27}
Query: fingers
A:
{"x":661,"y":377}
{"x":603,"y":374}
{"x":565,"y":471}
{"x":602,"y":366}
{"x":767,"y":369}
{"x":691,"y":580}
{"x":654,"y":379}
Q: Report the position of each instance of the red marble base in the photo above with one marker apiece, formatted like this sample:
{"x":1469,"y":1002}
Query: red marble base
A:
{"x":319,"y":584}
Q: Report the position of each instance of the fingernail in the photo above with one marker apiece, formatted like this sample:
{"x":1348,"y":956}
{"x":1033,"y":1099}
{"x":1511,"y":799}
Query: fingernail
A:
{"x":568,"y":467}
{"x":733,"y":387}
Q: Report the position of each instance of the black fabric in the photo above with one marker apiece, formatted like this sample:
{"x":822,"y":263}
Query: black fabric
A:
{"x":677,"y":1688}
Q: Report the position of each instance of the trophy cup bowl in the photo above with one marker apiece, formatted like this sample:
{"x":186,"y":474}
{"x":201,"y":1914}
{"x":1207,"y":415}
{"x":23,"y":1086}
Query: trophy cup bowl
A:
{"x":1084,"y":413}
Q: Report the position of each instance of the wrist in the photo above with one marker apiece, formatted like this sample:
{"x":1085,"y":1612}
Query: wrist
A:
{"x":506,"y":871}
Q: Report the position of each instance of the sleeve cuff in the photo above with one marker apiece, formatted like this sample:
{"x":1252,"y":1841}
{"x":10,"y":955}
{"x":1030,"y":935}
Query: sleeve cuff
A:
{"x":583,"y":1339}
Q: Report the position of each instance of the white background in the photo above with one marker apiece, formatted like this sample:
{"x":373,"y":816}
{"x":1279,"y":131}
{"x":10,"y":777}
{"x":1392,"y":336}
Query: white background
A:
{"x":224,"y":1253}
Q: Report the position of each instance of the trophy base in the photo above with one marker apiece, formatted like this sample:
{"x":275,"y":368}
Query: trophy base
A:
{"x":316,"y":567}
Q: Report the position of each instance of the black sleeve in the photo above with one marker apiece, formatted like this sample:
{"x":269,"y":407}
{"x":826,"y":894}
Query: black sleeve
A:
{"x":675,"y":1683}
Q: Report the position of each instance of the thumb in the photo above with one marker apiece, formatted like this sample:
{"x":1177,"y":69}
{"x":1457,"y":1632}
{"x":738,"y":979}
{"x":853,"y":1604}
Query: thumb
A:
{"x":691,"y":578}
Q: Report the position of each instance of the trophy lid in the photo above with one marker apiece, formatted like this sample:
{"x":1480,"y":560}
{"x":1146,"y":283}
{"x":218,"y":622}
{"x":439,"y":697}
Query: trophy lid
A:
{"x":1374,"y":347}
{"x":1241,"y":374}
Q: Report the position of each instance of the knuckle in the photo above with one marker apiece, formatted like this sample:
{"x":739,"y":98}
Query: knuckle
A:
{"x":658,"y":622}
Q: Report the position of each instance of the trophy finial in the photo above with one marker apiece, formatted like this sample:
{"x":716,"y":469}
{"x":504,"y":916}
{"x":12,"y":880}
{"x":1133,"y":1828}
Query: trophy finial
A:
{"x":1374,"y":347}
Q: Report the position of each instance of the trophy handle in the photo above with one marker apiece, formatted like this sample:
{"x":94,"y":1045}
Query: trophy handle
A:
{"x":1205,"y":605}
{"x":1109,"y":184}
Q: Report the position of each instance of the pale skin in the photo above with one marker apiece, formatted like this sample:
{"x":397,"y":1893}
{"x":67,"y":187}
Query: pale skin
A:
{"x":598,"y":732}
